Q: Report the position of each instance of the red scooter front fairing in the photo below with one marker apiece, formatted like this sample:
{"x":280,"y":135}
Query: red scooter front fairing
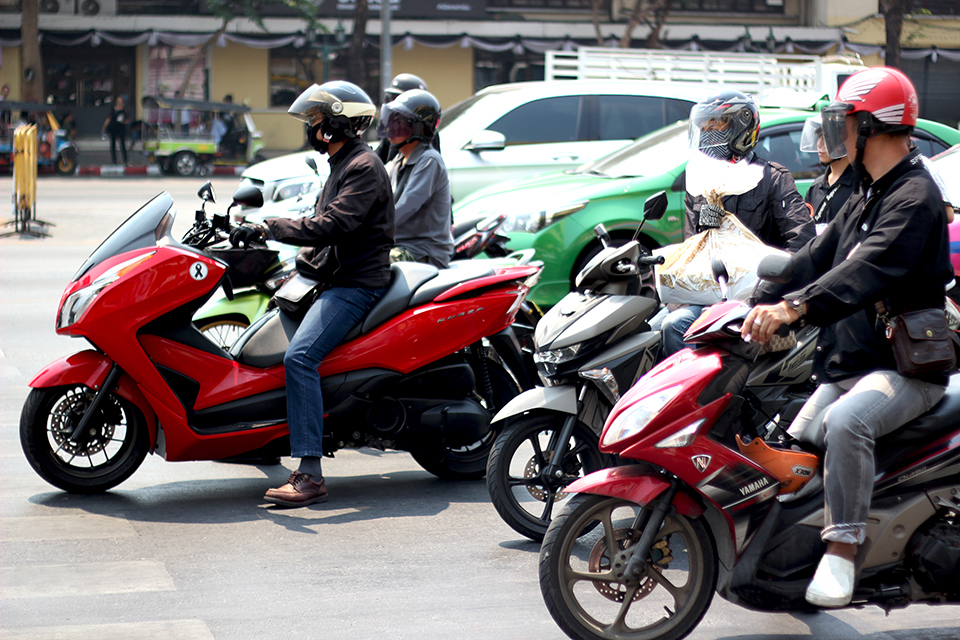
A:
{"x":413,"y":375}
{"x":640,"y":549}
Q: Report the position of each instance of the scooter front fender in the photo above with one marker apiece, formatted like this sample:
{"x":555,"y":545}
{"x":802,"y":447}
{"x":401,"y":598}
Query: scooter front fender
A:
{"x":635,"y":483}
{"x":562,"y":398}
{"x":90,"y":368}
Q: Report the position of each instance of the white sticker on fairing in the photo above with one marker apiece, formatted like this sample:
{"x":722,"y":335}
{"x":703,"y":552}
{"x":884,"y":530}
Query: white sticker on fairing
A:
{"x":198,"y":271}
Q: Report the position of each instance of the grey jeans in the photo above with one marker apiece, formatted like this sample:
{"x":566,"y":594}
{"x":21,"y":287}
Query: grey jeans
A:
{"x":846,"y":418}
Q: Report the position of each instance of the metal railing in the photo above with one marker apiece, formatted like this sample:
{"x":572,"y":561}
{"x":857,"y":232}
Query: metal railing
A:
{"x":746,"y":71}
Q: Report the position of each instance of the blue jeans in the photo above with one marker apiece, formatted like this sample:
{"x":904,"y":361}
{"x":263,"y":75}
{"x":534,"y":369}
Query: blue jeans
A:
{"x":846,"y":418}
{"x":672,"y":325}
{"x":331,"y":317}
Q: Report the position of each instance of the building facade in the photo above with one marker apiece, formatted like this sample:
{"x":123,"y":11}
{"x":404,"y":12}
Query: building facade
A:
{"x":93,"y":50}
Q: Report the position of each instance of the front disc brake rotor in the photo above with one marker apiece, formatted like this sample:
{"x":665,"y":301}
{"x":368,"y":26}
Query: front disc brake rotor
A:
{"x":600,"y":563}
{"x":99,"y":432}
{"x":571,"y":471}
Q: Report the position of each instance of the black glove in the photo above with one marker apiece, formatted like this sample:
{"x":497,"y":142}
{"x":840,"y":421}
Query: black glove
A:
{"x":247,"y":234}
{"x":710,"y":216}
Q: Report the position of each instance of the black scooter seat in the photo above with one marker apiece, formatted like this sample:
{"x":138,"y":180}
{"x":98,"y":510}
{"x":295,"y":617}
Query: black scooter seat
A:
{"x":265,"y":342}
{"x":897,"y":448}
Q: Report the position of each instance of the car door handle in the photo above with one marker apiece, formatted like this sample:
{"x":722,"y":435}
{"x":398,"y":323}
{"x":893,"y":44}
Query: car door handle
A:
{"x":566,"y":158}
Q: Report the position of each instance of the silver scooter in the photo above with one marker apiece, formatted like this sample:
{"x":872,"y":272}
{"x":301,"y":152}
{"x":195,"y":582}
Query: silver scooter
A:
{"x":593,"y":344}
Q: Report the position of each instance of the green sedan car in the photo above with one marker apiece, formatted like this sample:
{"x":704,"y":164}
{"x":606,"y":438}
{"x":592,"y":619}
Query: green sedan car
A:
{"x":555,"y":213}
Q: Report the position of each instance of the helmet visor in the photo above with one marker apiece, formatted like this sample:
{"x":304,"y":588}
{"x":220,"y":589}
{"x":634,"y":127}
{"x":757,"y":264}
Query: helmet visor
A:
{"x":812,"y":133}
{"x":313,"y":103}
{"x":712,"y":138}
{"x":834,"y":119}
{"x":395,"y":122}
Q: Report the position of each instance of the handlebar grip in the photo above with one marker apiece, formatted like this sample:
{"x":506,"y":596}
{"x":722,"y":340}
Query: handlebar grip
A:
{"x":651,"y":260}
{"x":783,"y":330}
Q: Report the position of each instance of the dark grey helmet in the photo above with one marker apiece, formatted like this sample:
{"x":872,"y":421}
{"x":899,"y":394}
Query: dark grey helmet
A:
{"x":403,"y":82}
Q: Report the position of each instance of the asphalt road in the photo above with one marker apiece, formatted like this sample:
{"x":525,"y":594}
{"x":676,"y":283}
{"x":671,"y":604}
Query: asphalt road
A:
{"x":190,"y":551}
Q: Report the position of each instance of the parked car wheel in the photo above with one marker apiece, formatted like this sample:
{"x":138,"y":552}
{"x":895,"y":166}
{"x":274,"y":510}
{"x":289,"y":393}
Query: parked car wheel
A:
{"x":184,"y":163}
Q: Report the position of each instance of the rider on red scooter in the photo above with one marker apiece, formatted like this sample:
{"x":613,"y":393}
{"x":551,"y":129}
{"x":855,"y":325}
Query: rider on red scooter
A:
{"x":347,"y":246}
{"x":887,"y":244}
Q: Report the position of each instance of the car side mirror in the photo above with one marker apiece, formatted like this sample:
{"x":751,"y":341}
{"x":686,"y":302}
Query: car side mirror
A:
{"x":487,"y":140}
{"x":775,"y":268}
{"x":206,"y":192}
{"x":655,"y":206}
{"x":248,"y":196}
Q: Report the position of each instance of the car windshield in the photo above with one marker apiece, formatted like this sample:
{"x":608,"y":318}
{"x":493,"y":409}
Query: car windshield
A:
{"x":143,"y":229}
{"x":457,"y":110}
{"x":948,"y":166}
{"x":651,"y":155}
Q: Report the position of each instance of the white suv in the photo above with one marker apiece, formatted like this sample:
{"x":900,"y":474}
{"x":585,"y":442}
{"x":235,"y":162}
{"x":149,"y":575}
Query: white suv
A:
{"x":513,"y":130}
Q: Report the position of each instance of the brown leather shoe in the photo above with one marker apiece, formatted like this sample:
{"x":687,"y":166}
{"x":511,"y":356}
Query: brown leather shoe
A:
{"x":299,"y":491}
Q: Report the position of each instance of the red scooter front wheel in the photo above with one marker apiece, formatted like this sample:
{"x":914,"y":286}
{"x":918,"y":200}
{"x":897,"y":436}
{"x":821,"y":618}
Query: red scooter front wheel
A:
{"x":582,"y":588}
{"x":109,"y":450}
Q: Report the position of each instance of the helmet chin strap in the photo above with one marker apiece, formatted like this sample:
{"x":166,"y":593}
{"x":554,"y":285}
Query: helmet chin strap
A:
{"x":861,"y":177}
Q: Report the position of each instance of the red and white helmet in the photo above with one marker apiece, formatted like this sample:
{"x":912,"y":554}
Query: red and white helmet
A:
{"x":885,"y":100}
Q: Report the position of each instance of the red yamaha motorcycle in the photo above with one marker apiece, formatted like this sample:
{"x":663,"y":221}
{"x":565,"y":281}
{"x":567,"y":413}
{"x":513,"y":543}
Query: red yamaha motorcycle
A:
{"x":640,"y":550}
{"x":416,"y":374}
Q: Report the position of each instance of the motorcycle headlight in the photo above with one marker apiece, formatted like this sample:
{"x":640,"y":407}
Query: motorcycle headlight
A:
{"x":633,"y":420}
{"x":534,"y":221}
{"x":78,"y":301}
{"x":294,"y":189}
{"x":681,"y":438}
{"x":547,"y":361}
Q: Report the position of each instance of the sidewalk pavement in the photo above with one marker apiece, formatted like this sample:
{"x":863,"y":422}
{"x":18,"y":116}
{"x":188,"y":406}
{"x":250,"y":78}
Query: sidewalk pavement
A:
{"x":93,"y":159}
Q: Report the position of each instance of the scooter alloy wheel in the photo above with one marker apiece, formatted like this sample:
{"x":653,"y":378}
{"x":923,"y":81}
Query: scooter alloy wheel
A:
{"x":581,"y":575}
{"x":521,"y":490}
{"x":112,"y":448}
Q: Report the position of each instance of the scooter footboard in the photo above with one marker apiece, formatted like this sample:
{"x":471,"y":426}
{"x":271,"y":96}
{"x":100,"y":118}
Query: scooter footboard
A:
{"x":635,"y":483}
{"x":90,"y":368}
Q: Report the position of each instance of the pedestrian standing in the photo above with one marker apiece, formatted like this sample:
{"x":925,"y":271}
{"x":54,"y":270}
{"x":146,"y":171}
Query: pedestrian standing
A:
{"x":116,"y":126}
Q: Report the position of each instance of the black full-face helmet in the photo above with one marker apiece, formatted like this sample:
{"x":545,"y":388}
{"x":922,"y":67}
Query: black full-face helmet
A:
{"x":413,"y":115}
{"x":346,"y":109}
{"x":403,"y":82}
{"x":725,"y":125}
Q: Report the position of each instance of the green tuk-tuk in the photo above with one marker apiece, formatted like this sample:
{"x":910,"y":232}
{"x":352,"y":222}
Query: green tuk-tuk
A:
{"x":184,"y":135}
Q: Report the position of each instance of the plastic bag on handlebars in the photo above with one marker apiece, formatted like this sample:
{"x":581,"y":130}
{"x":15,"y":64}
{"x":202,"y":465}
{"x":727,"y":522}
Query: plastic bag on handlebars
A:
{"x":686,"y":277}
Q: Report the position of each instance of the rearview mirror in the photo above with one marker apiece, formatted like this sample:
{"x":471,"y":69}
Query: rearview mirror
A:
{"x":487,"y":140}
{"x":655,"y":206}
{"x":206,"y":192}
{"x":312,"y":164}
{"x":719,"y":269}
{"x":248,"y":196}
{"x":775,"y":268}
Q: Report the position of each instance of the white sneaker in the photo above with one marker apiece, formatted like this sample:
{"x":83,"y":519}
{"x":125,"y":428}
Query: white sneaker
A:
{"x":832,"y":585}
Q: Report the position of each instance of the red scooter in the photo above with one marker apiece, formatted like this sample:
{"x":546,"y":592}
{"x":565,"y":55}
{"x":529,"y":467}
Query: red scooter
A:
{"x":707,"y":506}
{"x":416,"y":374}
